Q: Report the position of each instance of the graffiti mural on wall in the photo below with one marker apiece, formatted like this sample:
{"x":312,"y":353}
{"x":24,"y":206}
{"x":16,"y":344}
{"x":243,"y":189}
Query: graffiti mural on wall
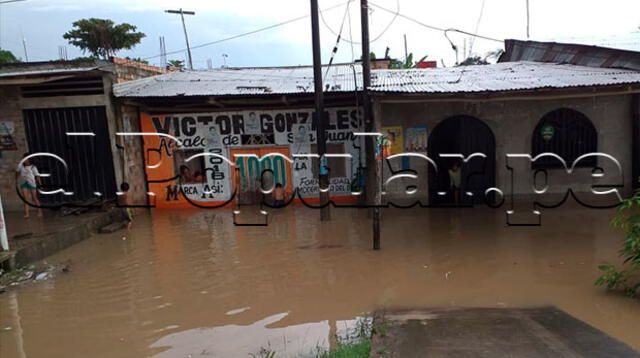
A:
{"x":209,"y":138}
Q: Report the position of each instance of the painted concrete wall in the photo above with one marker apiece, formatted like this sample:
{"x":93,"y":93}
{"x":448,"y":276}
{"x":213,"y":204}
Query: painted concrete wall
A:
{"x":235,"y":135}
{"x":513,"y":123}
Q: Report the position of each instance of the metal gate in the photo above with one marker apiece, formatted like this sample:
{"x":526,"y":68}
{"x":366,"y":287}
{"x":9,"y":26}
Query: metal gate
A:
{"x":88,"y":158}
{"x":462,"y":135}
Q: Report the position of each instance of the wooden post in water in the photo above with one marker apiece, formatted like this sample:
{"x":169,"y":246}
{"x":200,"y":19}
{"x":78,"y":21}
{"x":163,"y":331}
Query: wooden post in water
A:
{"x":635,"y":142}
{"x":323,"y":175}
{"x":371,"y":126}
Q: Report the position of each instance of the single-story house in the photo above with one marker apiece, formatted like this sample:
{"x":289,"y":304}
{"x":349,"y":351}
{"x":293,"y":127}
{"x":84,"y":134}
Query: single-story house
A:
{"x":539,"y":98}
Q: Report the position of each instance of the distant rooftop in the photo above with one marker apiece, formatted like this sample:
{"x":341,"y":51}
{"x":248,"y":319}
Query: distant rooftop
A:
{"x":575,"y":54}
{"x":64,"y":67}
{"x":625,"y":41}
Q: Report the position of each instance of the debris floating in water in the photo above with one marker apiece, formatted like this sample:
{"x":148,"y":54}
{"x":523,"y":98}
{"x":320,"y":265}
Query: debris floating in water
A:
{"x":42,"y":276}
{"x":237,"y":311}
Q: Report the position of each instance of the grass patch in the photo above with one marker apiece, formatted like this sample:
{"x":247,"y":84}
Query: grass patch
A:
{"x":350,"y":350}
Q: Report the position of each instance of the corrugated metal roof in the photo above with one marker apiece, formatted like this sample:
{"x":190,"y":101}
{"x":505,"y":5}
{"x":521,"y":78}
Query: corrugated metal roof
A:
{"x":295,"y":80}
{"x":47,"y":72}
{"x":575,"y":54}
{"x":499,"y":77}
{"x":243,"y":81}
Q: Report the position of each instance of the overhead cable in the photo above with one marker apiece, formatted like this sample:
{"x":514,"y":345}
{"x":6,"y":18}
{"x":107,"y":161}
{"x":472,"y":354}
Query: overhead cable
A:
{"x":245,"y":33}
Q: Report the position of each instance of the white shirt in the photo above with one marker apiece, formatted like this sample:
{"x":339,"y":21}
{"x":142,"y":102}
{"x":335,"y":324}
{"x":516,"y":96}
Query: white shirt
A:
{"x":28,"y":173}
{"x":454,"y":177}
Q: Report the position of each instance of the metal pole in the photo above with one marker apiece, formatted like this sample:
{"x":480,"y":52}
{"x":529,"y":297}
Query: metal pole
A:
{"x":527,"y":19}
{"x":4,"y":239}
{"x":323,"y":175}
{"x":24,"y":46}
{"x":5,"y":2}
{"x":370,"y":126}
{"x":406,"y":53}
{"x":635,"y":142}
{"x":184,"y":27}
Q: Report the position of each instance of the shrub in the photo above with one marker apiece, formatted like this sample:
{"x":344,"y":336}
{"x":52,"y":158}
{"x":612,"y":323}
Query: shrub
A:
{"x":627,"y":219}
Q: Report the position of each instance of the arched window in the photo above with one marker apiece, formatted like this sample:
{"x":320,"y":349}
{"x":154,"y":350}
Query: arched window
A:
{"x":567,"y":133}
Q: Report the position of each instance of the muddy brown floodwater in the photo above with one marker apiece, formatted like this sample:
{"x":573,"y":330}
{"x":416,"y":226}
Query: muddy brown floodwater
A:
{"x":189,"y":283}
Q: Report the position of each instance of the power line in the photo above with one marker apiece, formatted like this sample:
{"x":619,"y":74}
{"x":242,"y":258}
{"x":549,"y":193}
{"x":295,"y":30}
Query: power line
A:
{"x":351,"y":37}
{"x":350,"y":40}
{"x":244,"y":34}
{"x":435,"y":27}
{"x":335,"y":48}
{"x":473,"y":39}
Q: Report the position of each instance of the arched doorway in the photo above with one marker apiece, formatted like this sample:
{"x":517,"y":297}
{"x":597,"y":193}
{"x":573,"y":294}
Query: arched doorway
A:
{"x":462,"y":135}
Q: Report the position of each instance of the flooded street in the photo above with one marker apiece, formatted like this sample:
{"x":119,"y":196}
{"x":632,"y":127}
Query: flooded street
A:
{"x":188,"y":283}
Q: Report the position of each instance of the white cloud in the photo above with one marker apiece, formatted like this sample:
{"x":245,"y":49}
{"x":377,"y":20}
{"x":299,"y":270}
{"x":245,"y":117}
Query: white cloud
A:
{"x":501,"y":19}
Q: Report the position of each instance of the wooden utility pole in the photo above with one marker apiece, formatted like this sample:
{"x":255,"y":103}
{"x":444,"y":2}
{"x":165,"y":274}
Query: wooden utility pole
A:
{"x":372,"y":125}
{"x":321,"y":141}
{"x":184,"y":27}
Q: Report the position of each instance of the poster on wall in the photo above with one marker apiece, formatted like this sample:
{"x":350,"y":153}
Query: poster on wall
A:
{"x":211,"y":146}
{"x":415,"y":139}
{"x":6,"y":136}
{"x":391,"y":142}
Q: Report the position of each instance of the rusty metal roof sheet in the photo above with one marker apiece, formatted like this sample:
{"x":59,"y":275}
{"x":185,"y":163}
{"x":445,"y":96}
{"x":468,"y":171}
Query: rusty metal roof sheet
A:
{"x":575,"y":54}
{"x":505,"y":76}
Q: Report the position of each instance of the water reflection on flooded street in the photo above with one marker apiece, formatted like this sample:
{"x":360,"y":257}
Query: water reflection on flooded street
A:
{"x":190,"y":283}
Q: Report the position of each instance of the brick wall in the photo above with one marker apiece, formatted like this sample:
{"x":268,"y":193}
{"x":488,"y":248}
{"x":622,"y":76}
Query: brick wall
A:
{"x":10,"y":112}
{"x":128,"y":70}
{"x":134,"y":172}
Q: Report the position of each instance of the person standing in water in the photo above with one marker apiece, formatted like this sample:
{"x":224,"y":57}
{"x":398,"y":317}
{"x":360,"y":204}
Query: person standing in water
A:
{"x":454,"y":181}
{"x":125,"y":210}
{"x":278,"y":196}
{"x":27,"y":176}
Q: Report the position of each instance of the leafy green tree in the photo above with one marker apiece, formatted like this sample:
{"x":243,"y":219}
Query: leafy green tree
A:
{"x":101,"y":37}
{"x":7,"y":57}
{"x":176,"y":63}
{"x":627,"y":278}
{"x":477,"y":60}
{"x":474,"y":60}
{"x":407,"y":63}
{"x":84,"y":58}
{"x":495,"y":54}
{"x":397,"y":64}
{"x":137,"y":59}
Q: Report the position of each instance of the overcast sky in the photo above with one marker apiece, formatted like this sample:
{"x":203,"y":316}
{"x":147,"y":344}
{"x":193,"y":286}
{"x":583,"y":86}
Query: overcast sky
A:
{"x":42,"y":23}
